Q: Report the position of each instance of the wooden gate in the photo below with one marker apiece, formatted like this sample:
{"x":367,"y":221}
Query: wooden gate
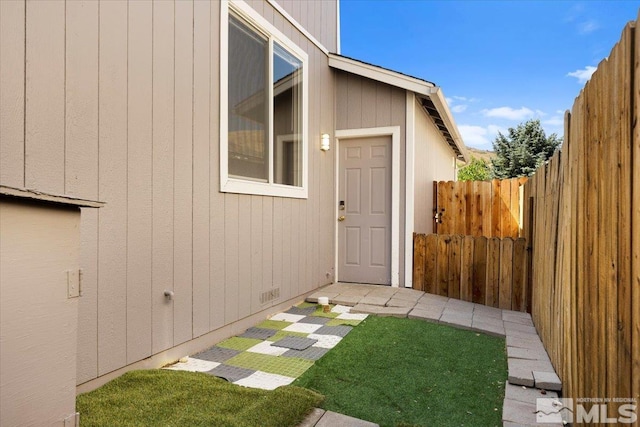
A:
{"x":478,"y":208}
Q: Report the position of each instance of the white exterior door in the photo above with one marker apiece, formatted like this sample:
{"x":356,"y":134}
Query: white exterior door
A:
{"x":364,"y":197}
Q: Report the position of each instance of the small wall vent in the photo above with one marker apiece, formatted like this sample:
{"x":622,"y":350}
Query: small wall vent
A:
{"x":270,"y":295}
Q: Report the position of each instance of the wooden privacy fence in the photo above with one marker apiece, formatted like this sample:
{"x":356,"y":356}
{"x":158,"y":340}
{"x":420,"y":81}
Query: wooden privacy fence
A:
{"x":582,"y":216}
{"x":478,"y":208}
{"x":489,"y":271}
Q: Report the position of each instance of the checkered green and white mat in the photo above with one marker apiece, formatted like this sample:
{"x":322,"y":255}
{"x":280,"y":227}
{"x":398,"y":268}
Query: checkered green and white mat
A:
{"x":278,"y":350}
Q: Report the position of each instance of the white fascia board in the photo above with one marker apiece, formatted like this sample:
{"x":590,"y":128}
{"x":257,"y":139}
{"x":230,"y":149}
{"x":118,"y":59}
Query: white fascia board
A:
{"x":438,"y":99}
{"x":381,"y":75}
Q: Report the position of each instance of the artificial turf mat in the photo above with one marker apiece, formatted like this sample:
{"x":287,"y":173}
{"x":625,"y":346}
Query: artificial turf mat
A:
{"x":273,"y":324}
{"x":287,"y":366}
{"x":346,"y":322}
{"x":283,"y":334}
{"x":409,"y":372}
{"x":178,"y":398}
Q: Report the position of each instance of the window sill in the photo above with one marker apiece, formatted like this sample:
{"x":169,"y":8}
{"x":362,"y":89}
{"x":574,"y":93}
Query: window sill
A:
{"x":263,"y":189}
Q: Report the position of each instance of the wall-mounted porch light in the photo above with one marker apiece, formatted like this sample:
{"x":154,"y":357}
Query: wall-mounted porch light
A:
{"x":325,"y":142}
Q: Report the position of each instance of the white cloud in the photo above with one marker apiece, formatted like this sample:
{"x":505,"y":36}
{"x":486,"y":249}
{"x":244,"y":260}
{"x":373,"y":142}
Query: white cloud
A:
{"x":574,"y":13}
{"x":458,"y":99}
{"x":583,"y":75}
{"x":478,"y":136}
{"x":588,"y":27}
{"x":554,"y":124}
{"x":554,"y":121}
{"x":458,"y":103}
{"x":509,"y":113}
{"x":475,"y":136}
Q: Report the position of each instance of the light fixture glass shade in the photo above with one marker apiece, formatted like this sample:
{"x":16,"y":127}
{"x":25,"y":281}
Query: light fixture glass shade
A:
{"x":325,"y":142}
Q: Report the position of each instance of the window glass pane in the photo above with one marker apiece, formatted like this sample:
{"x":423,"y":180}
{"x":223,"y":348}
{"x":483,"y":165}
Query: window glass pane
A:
{"x":287,"y":120}
{"x":248,"y":107}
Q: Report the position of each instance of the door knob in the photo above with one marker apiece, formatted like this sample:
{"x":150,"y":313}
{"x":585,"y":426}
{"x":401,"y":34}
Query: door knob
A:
{"x":342,"y":218}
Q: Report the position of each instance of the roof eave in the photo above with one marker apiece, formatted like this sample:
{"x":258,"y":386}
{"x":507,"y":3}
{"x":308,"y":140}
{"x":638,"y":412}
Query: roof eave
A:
{"x":457,"y":144}
{"x":380,"y":74}
{"x":421,"y":88}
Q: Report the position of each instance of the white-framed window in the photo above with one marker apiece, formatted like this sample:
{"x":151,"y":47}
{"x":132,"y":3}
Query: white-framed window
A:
{"x":263,"y":107}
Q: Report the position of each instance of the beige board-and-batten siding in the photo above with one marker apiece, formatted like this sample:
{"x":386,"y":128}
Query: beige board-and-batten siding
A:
{"x":122,"y":106}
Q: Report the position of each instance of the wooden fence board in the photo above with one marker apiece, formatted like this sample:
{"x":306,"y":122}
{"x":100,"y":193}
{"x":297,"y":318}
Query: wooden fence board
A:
{"x":474,"y":221}
{"x":430,"y":267}
{"x":496,"y":208}
{"x":466,"y":271}
{"x":506,"y":273}
{"x":625,"y":186}
{"x":505,"y":209}
{"x":519,"y":275}
{"x":455,"y":265}
{"x":514,"y":209}
{"x":634,"y":291}
{"x":437,"y":205}
{"x":442,"y":262}
{"x":419,"y":260}
{"x":484,"y":208}
{"x":493,"y":272}
{"x":460,"y":205}
{"x":468,"y":209}
{"x":449,"y":213}
{"x":591,"y":238}
{"x":479,"y":269}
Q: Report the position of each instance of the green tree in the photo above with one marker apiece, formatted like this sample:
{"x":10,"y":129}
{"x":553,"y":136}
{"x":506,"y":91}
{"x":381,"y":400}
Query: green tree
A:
{"x":476,"y":170}
{"x":523,"y":150}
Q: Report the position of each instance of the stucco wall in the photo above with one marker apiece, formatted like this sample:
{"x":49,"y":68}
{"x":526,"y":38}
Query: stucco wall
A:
{"x":434,"y":161}
{"x":122,"y":105}
{"x":38,"y":323}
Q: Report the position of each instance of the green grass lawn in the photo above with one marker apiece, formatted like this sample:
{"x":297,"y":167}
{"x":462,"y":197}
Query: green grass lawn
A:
{"x":404,"y":372}
{"x":178,"y":398}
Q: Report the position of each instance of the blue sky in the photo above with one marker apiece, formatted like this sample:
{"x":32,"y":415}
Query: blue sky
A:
{"x":499,"y":63}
